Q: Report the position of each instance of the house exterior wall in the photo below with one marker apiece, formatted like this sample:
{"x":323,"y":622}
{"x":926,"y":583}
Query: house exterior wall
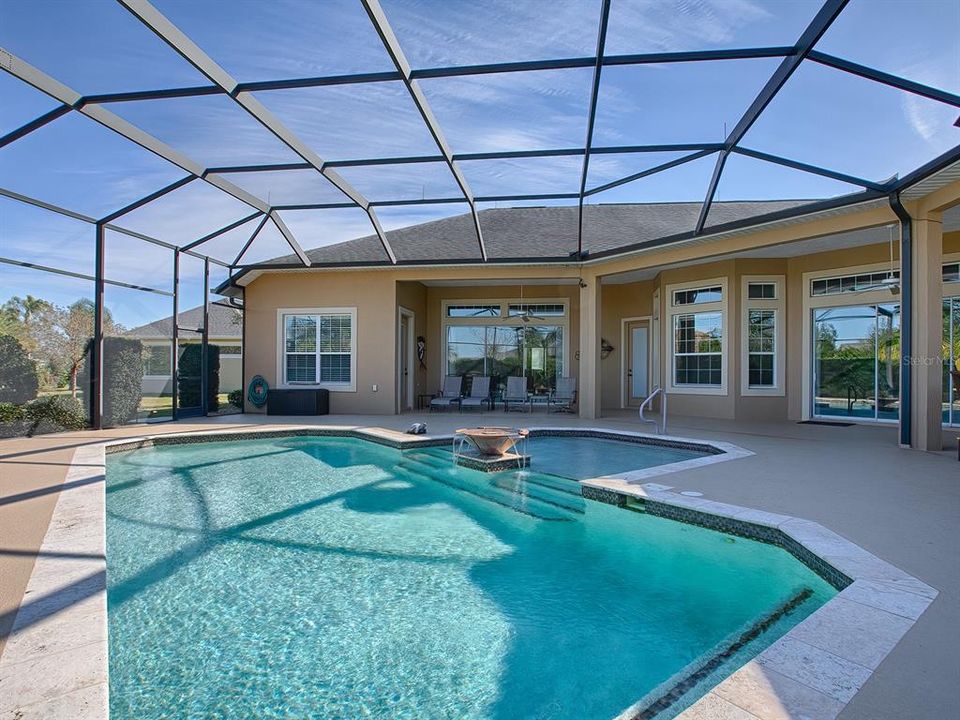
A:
{"x":619,"y":301}
{"x":374,"y":296}
{"x":413,"y":296}
{"x":379,"y":293}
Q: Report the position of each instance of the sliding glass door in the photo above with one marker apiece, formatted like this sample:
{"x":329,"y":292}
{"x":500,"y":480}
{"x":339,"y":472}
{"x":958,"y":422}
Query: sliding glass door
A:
{"x":951,"y":361}
{"x":857,"y":362}
{"x":499,"y":351}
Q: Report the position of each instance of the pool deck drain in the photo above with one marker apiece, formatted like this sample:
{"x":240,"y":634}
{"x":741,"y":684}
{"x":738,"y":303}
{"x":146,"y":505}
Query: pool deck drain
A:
{"x":55,"y":666}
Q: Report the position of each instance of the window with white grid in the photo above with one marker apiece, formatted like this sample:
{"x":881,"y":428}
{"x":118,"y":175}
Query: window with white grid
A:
{"x":318,"y":349}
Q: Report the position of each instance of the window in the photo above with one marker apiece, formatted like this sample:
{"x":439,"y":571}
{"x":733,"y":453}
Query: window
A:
{"x":501,"y":351}
{"x":762,"y":335}
{"x":541,"y":310}
{"x":157,"y":360}
{"x":698,"y":348}
{"x":696,"y":325}
{"x":318,"y":348}
{"x":698,"y":296}
{"x":951,"y":272}
{"x":852,"y":283}
{"x":761,"y":347}
{"x":761,"y":291}
{"x":473,"y":311}
{"x":487,"y":338}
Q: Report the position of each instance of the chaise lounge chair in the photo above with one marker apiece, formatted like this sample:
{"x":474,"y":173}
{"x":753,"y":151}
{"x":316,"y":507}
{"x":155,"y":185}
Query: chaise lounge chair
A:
{"x":452,"y":386}
{"x":479,"y":393}
{"x":564,"y":396}
{"x":516,"y":394}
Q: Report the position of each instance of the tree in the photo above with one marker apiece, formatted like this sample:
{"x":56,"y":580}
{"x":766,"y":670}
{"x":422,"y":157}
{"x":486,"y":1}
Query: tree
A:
{"x":18,"y":373}
{"x":59,"y":336}
{"x":76,"y":323}
{"x":21,"y":315}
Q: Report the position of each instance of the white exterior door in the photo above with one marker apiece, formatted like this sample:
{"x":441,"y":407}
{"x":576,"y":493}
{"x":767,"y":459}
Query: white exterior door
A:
{"x":638,"y":362}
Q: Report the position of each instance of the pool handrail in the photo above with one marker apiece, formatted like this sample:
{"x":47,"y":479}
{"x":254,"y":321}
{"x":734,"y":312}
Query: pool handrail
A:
{"x":661,"y":426}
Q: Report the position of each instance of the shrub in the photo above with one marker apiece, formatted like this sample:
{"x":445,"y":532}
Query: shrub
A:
{"x":10,"y":413}
{"x":122,"y":379}
{"x":236,"y":399}
{"x":188,"y":380}
{"x":18,"y":373}
{"x":54,"y":413}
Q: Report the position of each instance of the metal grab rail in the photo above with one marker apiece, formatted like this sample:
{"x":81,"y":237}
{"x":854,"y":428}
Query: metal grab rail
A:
{"x":662,"y":425}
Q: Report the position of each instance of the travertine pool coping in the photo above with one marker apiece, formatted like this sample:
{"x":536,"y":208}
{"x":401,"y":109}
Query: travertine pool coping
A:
{"x":55,"y":664}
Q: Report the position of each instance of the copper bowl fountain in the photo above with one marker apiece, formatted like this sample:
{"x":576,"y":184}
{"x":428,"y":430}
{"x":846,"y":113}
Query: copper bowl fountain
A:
{"x":493,"y":441}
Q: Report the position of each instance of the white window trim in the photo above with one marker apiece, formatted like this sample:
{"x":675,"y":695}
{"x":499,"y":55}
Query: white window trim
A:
{"x":952,"y":288}
{"x":722,"y":307}
{"x":813,"y":302}
{"x":778,"y":305}
{"x":504,"y":321}
{"x":332,"y":387}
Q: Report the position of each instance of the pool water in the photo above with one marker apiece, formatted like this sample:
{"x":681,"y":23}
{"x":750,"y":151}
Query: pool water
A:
{"x":336,"y":578}
{"x":583,"y":457}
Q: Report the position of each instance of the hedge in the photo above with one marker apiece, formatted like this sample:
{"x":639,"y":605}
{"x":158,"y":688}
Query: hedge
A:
{"x":18,"y":373}
{"x":122,"y":379}
{"x":188,"y":380}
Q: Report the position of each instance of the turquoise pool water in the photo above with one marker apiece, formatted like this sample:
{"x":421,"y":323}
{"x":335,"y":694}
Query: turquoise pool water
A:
{"x":581,"y":458}
{"x":334,"y":578}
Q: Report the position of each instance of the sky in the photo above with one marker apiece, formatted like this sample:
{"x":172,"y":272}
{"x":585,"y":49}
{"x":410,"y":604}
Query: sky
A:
{"x":822,"y":116}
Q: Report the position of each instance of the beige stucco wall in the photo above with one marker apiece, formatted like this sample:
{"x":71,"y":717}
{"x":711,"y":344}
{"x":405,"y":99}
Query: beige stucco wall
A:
{"x":618,"y":301}
{"x":372,"y":293}
{"x":413,"y":296}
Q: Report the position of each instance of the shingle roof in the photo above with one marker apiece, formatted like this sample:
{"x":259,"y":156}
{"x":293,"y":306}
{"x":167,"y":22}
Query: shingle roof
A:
{"x":224,"y":323}
{"x":536,"y":232}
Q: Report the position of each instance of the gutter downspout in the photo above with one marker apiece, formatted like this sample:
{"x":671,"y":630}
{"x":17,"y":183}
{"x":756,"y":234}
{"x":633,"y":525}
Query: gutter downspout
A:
{"x":906,"y":319}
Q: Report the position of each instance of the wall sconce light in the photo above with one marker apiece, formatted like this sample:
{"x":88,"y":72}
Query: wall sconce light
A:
{"x":605,"y":348}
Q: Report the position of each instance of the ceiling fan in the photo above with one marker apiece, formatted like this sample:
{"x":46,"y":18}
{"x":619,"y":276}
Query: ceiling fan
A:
{"x":525,"y":314}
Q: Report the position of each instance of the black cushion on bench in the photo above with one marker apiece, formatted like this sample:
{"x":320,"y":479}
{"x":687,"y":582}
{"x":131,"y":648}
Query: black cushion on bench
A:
{"x":305,"y":401}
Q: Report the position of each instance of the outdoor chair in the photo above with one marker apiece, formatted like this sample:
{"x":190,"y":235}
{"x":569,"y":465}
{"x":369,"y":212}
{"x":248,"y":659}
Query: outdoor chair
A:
{"x":452,"y":386}
{"x":516,"y":394}
{"x":564,"y":396}
{"x":479,"y":393}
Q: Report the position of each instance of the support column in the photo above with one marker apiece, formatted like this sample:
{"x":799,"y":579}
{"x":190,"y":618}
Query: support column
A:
{"x":96,"y":349}
{"x":926,"y":363}
{"x":588,"y":385}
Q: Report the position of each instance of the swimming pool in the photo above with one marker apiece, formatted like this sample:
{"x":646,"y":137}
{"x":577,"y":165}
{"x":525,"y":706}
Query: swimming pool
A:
{"x":580,"y":458}
{"x":337,"y":578}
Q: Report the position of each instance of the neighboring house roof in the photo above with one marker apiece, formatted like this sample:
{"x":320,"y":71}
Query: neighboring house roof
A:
{"x":223,"y":324}
{"x":548,"y":233}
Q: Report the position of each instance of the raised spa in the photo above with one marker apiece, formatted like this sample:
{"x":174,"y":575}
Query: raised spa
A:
{"x":334,"y":577}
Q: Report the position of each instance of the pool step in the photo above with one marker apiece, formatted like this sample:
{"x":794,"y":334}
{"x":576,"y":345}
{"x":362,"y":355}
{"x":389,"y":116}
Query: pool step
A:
{"x":527,"y":485}
{"x":441,"y":457}
{"x":554,"y":482}
{"x":481,"y":488}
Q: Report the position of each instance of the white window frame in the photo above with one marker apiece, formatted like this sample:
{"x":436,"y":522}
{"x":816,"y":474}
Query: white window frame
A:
{"x":721,"y":306}
{"x":281,"y":365}
{"x":505,"y":320}
{"x":814,"y":302}
{"x":951,"y":289}
{"x":778,"y":305}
